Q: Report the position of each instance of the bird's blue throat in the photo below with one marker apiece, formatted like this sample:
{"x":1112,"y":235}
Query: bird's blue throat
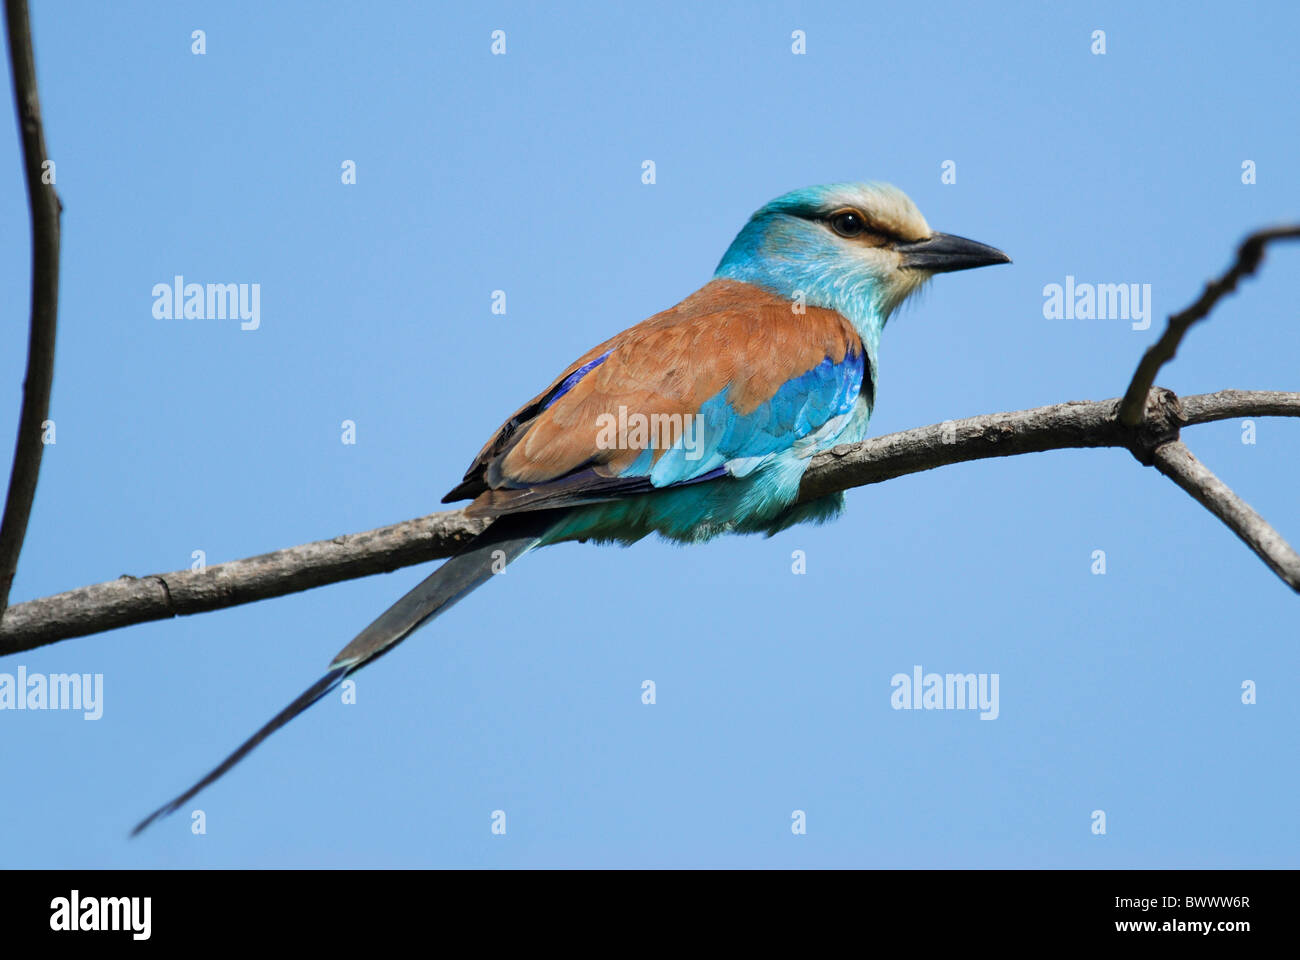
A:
{"x":780,"y":253}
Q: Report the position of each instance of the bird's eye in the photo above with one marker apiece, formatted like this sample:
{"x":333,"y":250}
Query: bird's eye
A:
{"x":848,"y":223}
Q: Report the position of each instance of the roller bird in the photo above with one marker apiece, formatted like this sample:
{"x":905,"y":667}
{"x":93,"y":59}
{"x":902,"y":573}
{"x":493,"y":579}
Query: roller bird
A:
{"x":696,"y":422}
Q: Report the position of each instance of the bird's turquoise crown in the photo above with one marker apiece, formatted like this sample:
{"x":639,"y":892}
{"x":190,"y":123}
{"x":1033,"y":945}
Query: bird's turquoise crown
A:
{"x":860,"y":249}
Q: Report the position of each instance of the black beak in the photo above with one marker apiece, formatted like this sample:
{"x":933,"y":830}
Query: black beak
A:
{"x":943,"y":252}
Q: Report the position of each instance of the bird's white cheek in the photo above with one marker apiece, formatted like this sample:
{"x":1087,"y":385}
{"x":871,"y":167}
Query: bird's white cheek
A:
{"x":903,"y":284}
{"x":881,"y":261}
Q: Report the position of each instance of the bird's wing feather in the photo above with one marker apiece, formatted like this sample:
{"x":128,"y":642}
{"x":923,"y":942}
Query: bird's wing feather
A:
{"x":759,"y":377}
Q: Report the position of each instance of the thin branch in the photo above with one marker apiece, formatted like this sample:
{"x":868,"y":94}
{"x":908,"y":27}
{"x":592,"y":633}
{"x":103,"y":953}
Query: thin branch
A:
{"x":1232,"y":404}
{"x":1058,"y":427}
{"x":128,"y":600}
{"x":1066,"y":425}
{"x":1249,"y":255}
{"x":131,"y":600}
{"x":1176,"y":462}
{"x":45,"y":209}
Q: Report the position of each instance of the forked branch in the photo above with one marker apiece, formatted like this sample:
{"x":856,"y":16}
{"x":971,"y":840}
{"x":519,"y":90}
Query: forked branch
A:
{"x":130,"y":600}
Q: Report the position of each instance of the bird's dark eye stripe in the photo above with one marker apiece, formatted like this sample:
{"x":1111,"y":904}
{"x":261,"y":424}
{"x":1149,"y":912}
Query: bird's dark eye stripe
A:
{"x":828,"y":220}
{"x":851,"y":223}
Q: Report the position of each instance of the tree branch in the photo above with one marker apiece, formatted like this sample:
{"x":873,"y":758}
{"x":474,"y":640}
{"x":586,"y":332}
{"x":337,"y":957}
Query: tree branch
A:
{"x":45,"y":210}
{"x":130,"y":600}
{"x":1231,"y":404}
{"x":1176,"y":462}
{"x":1249,"y":255}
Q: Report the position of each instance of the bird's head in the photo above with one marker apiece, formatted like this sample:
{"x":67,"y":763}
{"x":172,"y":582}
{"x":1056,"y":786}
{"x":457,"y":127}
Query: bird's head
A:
{"x":858,"y":248}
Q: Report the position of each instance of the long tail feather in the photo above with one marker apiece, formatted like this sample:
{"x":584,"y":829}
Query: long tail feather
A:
{"x":309,"y":696}
{"x":504,"y":542}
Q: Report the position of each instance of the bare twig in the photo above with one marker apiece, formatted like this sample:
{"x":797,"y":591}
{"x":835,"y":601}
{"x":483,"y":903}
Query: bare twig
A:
{"x":45,"y":209}
{"x":1249,"y":255}
{"x":1231,"y":404}
{"x":1176,"y":462}
{"x":130,"y":600}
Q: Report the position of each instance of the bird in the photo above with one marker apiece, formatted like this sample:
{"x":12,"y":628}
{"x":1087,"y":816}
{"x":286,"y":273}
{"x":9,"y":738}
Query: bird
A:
{"x":697,"y":422}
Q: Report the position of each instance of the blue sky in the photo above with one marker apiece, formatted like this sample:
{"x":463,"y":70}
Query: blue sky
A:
{"x":522,"y":172}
